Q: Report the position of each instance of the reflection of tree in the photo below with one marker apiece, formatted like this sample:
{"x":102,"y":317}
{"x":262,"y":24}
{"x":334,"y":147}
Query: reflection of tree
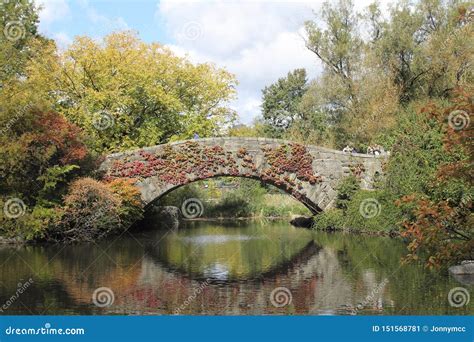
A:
{"x":228,"y":254}
{"x":334,"y":278}
{"x":315,"y":278}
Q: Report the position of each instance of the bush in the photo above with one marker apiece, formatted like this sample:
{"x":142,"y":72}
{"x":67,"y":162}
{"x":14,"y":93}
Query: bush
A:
{"x":280,"y":205}
{"x":329,"y":220}
{"x":415,"y":155}
{"x":372,"y":211}
{"x":345,"y":190}
{"x":131,"y":208}
{"x":31,"y":225}
{"x":366,"y":211}
{"x":232,"y":205}
{"x":94,"y":210}
{"x":439,"y":224}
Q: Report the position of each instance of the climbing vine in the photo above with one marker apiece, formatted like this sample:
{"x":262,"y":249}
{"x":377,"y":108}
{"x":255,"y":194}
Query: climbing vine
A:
{"x":290,"y":159}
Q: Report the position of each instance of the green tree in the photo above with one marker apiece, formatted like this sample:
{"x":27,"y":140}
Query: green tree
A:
{"x":19,"y":27}
{"x":339,"y":48}
{"x":280,"y":107}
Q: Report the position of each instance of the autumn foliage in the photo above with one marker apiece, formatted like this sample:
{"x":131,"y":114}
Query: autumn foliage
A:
{"x":440,"y":229}
{"x":60,"y":137}
{"x":93,"y":209}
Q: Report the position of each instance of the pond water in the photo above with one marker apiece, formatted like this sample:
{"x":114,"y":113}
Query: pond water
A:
{"x":209,"y":268}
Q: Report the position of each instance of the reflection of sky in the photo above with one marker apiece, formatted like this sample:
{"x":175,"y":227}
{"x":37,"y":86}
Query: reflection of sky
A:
{"x":215,"y":239}
{"x":216,"y":271}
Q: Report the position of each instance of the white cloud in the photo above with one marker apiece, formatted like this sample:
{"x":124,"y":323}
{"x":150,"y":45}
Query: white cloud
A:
{"x":59,"y":11}
{"x":52,"y":11}
{"x":257,"y":41}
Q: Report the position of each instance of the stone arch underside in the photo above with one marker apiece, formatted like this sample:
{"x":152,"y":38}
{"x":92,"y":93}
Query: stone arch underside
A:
{"x":158,"y":193}
{"x":308,"y":173}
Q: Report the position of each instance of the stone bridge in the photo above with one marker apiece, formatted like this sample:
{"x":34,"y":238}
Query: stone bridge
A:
{"x":308,"y":173}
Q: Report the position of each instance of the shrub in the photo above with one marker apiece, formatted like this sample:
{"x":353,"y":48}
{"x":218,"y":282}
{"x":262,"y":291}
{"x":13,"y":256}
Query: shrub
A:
{"x":37,"y":160}
{"x":94,"y":210}
{"x":280,"y":205}
{"x":91,"y":211}
{"x":33,"y":224}
{"x":345,"y":190}
{"x":439,"y":224}
{"x":372,"y":211}
{"x":330,"y":219}
{"x":232,"y":205}
{"x":131,"y":208}
{"x":366,"y":211}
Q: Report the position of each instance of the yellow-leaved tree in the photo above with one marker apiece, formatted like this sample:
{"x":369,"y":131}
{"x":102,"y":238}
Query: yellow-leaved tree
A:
{"x":125,"y":93}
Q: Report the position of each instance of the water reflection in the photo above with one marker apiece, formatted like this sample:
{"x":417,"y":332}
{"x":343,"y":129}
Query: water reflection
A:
{"x":210,"y":252}
{"x":216,"y":269}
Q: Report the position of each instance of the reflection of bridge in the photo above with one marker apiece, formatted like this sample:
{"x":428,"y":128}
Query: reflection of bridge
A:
{"x":156,"y":254}
{"x":317,"y":278}
{"x":308,"y":173}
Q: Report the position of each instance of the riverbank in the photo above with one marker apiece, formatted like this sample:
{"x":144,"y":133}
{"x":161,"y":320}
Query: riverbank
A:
{"x":355,"y":231}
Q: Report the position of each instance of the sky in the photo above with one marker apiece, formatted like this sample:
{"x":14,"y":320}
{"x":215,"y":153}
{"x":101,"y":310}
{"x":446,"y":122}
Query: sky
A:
{"x":258,"y":41}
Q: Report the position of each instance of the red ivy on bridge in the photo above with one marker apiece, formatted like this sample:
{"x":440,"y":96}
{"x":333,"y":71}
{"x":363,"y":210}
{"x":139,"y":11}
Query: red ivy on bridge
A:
{"x":193,"y":161}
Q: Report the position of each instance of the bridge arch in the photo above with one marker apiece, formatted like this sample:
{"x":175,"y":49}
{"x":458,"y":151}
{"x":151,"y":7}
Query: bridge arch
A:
{"x":158,"y":193}
{"x":308,"y":173}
